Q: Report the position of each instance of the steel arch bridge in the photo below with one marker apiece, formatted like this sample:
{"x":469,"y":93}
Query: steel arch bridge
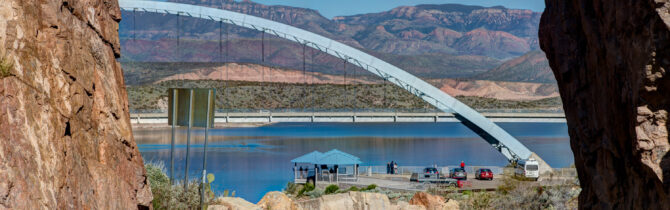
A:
{"x":502,"y":141}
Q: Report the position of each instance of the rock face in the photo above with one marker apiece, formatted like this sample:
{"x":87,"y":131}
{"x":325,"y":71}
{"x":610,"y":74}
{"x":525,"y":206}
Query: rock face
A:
{"x":233,"y":203}
{"x":65,"y":136}
{"x":432,"y":202}
{"x":276,"y":200}
{"x":348,"y":201}
{"x":610,"y":61}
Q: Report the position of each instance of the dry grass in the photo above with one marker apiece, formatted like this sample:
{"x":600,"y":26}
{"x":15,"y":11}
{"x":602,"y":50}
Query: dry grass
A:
{"x":6,"y":65}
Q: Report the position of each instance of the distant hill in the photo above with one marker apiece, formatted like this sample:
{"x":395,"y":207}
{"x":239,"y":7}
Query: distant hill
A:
{"x":286,"y":54}
{"x":450,"y":28}
{"x":531,"y":67}
{"x":431,"y":41}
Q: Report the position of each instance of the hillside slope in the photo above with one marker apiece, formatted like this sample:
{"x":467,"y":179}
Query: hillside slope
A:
{"x":531,"y":67}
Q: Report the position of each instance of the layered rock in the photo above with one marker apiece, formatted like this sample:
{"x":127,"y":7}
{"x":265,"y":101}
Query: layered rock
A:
{"x":432,"y":202}
{"x":277,"y":200}
{"x":233,"y":203}
{"x":610,"y":61}
{"x":350,"y":200}
{"x":65,"y":136}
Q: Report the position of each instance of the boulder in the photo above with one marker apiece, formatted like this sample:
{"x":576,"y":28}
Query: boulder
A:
{"x":232,"y":203}
{"x":366,"y":200}
{"x":610,"y":60}
{"x":402,"y":205}
{"x":65,"y":135}
{"x":276,"y":200}
{"x":348,"y":201}
{"x":432,"y":202}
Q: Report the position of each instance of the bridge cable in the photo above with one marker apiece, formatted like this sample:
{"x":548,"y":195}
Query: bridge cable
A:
{"x":228,"y":68}
{"x":225,"y":82}
{"x":179,"y":78}
{"x":263,"y":62}
{"x":304,"y":75}
{"x":355,"y":104}
{"x":346,"y":89}
{"x":384,"y":102}
{"x":313,"y":87}
{"x":134,"y":27}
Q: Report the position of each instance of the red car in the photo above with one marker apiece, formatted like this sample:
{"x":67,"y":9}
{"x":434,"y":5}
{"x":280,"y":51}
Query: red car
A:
{"x":484,"y":173}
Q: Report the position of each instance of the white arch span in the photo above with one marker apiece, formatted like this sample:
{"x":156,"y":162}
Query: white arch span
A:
{"x":502,"y":141}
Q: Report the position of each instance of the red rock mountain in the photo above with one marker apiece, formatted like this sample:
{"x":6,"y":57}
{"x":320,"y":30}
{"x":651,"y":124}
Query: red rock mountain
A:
{"x":531,"y":67}
{"x":436,"y":41}
{"x":450,"y":28}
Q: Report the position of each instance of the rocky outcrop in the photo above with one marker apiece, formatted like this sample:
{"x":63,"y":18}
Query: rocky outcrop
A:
{"x":610,"y":61}
{"x":233,"y":203}
{"x":65,"y":136}
{"x":433,"y":202}
{"x":402,"y":205}
{"x":350,"y":200}
{"x":276,"y":200}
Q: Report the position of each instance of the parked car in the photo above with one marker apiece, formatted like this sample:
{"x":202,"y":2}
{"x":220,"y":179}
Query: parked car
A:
{"x":484,"y":173}
{"x":458,"y":173}
{"x":431,"y":172}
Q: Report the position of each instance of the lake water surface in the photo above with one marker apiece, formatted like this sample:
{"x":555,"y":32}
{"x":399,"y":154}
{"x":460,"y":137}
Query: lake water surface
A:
{"x":256,"y":160}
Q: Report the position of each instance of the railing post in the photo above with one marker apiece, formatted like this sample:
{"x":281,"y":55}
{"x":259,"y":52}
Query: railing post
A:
{"x":188,"y":137}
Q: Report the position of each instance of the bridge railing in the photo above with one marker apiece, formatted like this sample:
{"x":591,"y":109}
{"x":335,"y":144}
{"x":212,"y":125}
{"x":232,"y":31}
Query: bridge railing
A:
{"x":307,"y":110}
{"x":407,"y":170}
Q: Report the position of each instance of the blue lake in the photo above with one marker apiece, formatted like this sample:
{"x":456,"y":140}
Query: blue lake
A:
{"x":255,"y":160}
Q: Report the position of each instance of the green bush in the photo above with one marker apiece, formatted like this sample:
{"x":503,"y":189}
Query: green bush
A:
{"x":315,"y":193}
{"x":308,"y":187}
{"x":467,"y":192}
{"x":508,"y":184}
{"x":481,"y":201}
{"x":371,"y":187}
{"x":167,"y":196}
{"x":353,"y":188}
{"x":6,"y":66}
{"x":331,"y":189}
{"x":291,"y":188}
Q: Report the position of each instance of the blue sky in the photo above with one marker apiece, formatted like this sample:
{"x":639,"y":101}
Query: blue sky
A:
{"x":331,"y":8}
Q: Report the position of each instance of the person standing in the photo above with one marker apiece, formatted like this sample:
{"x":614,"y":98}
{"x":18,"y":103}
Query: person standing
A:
{"x":395,"y":168}
{"x":388,"y":168}
{"x":462,"y":165}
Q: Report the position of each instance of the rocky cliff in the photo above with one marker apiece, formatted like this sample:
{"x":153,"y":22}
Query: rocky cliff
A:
{"x":65,"y":137}
{"x":610,"y":61}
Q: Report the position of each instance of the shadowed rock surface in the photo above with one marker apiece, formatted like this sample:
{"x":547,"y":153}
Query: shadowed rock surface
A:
{"x":610,"y":61}
{"x":65,"y":136}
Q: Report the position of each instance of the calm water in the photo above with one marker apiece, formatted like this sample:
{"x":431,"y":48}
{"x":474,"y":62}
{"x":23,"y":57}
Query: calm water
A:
{"x":255,"y":160}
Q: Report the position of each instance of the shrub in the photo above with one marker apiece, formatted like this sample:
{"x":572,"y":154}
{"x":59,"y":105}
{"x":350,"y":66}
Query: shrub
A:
{"x":467,"y":192}
{"x":315,"y":193}
{"x":308,"y":187}
{"x":371,"y":187}
{"x":331,"y":189}
{"x":508,"y":184}
{"x":353,"y":188}
{"x":173,"y":196}
{"x":6,"y":66}
{"x":481,"y":201}
{"x":291,"y":188}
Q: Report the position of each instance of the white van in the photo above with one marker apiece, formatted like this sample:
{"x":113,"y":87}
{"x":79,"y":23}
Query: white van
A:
{"x":529,"y":168}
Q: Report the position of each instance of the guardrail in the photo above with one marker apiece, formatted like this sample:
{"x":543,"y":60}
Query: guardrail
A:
{"x":267,"y":117}
{"x":408,"y":170}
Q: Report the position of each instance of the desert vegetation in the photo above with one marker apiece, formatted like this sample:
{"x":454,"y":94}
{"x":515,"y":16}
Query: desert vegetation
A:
{"x":238,"y":95}
{"x":172,"y":195}
{"x":6,"y":65}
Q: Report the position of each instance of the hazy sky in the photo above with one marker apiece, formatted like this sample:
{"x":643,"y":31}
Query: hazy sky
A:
{"x":331,"y":8}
